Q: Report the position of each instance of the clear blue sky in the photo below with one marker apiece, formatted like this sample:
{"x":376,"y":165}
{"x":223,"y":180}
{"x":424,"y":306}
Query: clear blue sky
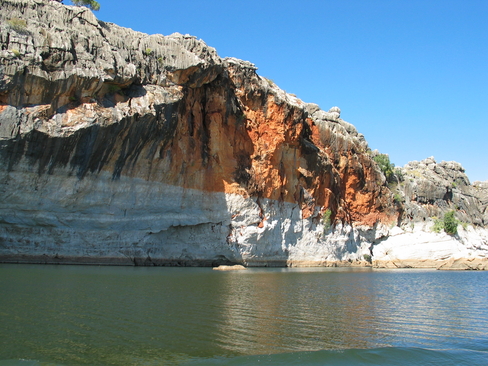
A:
{"x":411,"y":75}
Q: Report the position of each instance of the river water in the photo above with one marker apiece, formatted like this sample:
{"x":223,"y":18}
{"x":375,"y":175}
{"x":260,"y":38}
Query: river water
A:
{"x":87,"y":315}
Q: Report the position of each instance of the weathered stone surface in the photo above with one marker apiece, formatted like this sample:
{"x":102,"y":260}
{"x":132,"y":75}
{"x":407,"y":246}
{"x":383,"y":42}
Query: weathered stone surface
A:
{"x":465,"y":264}
{"x":431,"y":189}
{"x":64,"y":54}
{"x":418,"y":246}
{"x":428,"y":191}
{"x":118,"y":147}
{"x":481,"y":193}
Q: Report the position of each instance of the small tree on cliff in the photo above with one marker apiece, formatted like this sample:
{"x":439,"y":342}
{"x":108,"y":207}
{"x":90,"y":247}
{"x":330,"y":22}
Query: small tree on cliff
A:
{"x":450,"y":223}
{"x":383,"y":161}
{"x":92,"y":4}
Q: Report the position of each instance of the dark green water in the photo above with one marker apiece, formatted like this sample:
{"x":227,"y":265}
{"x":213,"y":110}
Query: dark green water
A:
{"x":82,"y":315}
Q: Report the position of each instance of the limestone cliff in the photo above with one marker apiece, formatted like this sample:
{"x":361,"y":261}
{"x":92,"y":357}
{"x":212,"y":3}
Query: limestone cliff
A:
{"x":126,"y":148}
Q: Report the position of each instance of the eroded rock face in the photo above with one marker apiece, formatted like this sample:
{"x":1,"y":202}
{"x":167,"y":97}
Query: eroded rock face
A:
{"x":61,"y":54}
{"x":120,"y":147}
{"x":431,"y":189}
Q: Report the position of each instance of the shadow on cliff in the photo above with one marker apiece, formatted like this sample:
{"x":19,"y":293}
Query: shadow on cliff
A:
{"x":90,"y":150}
{"x":195,"y":144}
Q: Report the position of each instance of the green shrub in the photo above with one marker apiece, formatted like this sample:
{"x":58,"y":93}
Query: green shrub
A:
{"x":383,"y":161}
{"x":326,"y":220}
{"x":450,"y":223}
{"x":367,"y":258}
{"x":147,"y":52}
{"x":438,"y":225}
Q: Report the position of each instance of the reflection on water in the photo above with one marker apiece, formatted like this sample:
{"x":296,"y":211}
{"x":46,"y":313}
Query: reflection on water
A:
{"x":290,"y":311}
{"x":124,"y":315}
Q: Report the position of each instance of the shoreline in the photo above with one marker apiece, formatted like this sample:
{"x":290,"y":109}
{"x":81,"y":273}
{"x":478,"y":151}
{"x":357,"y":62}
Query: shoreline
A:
{"x":459,"y":264}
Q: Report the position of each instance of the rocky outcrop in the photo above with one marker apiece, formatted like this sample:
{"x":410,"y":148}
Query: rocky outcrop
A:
{"x":125,"y":148}
{"x":431,"y":189}
{"x":426,"y":191}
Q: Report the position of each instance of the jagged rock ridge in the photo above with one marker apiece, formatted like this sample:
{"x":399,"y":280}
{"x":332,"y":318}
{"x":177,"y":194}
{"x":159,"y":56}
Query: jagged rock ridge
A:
{"x":122,"y":147}
{"x":430,"y":189}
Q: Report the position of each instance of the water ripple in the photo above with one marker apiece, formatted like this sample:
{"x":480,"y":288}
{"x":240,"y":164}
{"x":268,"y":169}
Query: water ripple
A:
{"x":114,"y":316}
